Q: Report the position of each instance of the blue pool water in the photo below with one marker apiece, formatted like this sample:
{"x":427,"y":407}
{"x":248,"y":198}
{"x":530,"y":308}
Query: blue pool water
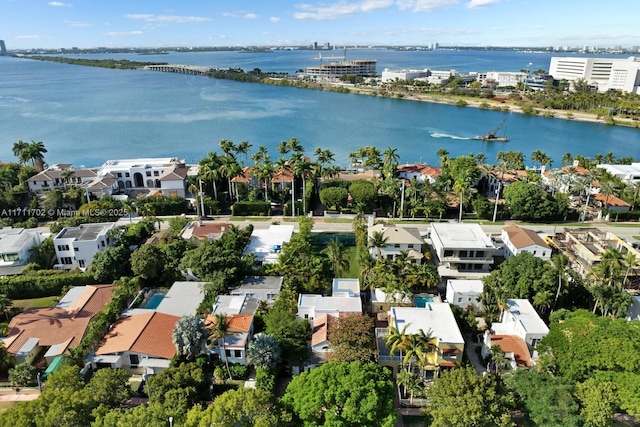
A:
{"x":422,"y":301}
{"x":154,"y":302}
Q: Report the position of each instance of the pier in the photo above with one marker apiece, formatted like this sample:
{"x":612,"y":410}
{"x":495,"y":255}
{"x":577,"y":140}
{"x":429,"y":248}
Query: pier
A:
{"x":182,"y":69}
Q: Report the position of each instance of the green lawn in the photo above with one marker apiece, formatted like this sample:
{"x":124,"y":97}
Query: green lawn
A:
{"x":36,"y":302}
{"x":354,"y":265}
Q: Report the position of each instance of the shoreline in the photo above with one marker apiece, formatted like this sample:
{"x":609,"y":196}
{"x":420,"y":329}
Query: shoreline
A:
{"x":507,"y":106}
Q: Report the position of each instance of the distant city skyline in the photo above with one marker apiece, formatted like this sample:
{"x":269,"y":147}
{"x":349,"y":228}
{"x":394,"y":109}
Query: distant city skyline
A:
{"x":28,"y":24}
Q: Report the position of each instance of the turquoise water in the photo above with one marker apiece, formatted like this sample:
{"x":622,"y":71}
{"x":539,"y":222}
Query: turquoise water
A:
{"x":87,"y":115}
{"x":154,"y":302}
{"x":422,"y":301}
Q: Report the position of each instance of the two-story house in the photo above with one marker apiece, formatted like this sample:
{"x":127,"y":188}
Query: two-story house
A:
{"x":518,"y":240}
{"x":519,"y":318}
{"x":396,"y":239}
{"x":463,"y":250}
{"x":435,"y":319}
{"x":465,"y":293}
{"x":15,"y":249}
{"x":76,"y":246}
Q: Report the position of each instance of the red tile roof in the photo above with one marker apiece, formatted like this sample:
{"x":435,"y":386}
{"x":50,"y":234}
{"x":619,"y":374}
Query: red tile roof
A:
{"x":513,"y":344}
{"x":56,"y":325}
{"x":147,"y":333}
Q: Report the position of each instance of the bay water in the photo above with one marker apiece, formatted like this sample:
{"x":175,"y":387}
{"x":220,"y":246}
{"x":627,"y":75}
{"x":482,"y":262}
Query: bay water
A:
{"x":87,"y":115}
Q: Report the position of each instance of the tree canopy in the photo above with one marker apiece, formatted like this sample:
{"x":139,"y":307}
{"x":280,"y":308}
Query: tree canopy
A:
{"x":343,"y":394}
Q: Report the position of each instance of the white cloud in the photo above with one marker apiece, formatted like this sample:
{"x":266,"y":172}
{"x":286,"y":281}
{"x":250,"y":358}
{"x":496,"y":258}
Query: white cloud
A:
{"x":473,"y":4}
{"x":122,"y":33}
{"x":59,"y":4}
{"x":167,"y":18}
{"x":78,"y":24}
{"x":340,"y":9}
{"x":250,"y":16}
{"x":425,"y":5}
{"x":274,"y":19}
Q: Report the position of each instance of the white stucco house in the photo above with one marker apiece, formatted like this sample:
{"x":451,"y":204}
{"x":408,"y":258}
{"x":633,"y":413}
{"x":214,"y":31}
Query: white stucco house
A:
{"x":397,"y":239}
{"x":465,"y":293}
{"x":463,"y":250}
{"x":519,"y":318}
{"x":518,"y":240}
{"x":76,"y":246}
{"x":15,"y":248}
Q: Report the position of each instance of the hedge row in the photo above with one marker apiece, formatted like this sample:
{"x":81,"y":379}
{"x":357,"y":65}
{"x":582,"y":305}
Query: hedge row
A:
{"x":251,"y":209}
{"x":27,"y":286}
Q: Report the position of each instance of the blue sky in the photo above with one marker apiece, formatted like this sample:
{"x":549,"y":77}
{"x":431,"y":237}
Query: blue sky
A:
{"x":158,"y":23}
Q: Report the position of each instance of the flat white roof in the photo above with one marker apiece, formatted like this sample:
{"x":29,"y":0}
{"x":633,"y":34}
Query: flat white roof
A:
{"x":267,"y":243}
{"x":70,"y":297}
{"x":527,"y":315}
{"x":461,"y":236}
{"x":465,"y":285}
{"x":229,"y":304}
{"x":183,"y":299}
{"x":344,"y":285}
{"x":378,"y":295}
{"x":336,"y":304}
{"x":14,"y":239}
{"x":436,"y":317}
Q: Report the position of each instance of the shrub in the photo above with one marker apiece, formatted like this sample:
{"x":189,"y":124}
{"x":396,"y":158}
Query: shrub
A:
{"x":45,"y":284}
{"x":250,"y":208}
{"x":238,"y":372}
{"x":265,"y":379}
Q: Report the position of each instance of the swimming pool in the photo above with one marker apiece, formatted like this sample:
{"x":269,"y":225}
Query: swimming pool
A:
{"x":422,"y":301}
{"x":154,"y":302}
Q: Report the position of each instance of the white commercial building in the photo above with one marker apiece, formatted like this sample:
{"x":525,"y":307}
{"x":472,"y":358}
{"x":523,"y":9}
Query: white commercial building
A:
{"x":76,"y":246}
{"x":389,"y":75}
{"x":621,"y":74}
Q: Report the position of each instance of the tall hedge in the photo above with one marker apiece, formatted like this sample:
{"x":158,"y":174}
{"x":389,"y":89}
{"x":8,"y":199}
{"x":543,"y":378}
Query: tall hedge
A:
{"x":42,"y":285}
{"x":251,"y":209}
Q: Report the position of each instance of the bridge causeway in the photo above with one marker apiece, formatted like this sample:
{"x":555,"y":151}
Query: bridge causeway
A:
{"x":177,"y":68}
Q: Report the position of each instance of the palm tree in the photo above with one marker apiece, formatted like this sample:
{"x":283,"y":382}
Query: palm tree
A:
{"x":218,"y":333}
{"x":337,"y":256}
{"x":264,"y":351}
{"x":301,"y":169}
{"x":5,"y":305}
{"x":230,"y":169}
{"x":378,"y":240}
{"x":608,"y":189}
{"x":567,"y":159}
{"x":397,"y":340}
{"x":265,"y":172}
{"x":210,"y":169}
{"x":631,"y":262}
{"x":227,"y":147}
{"x":67,"y":174}
{"x":559,"y":265}
{"x":281,"y":165}
{"x":243,"y":148}
{"x":18,"y":148}
{"x":35,"y":153}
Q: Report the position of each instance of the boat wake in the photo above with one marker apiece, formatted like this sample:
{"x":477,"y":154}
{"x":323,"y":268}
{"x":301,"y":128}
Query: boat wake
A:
{"x":446,"y":135}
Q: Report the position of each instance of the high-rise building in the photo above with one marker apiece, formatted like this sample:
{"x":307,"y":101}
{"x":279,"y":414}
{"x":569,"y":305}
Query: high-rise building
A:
{"x":3,"y":48}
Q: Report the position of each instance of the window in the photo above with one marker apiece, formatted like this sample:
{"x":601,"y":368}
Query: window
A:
{"x":410,"y":245}
{"x":237,"y":353}
{"x":227,"y":353}
{"x":463,"y":254}
{"x":10,"y":257}
{"x":76,"y":248}
{"x":66,"y":260}
{"x":390,"y":257}
{"x":535,"y":342}
{"x":63,"y":247}
{"x":156,"y":173}
{"x":448,"y":253}
{"x":396,"y":245}
{"x":534,"y":252}
{"x":126,"y":174}
{"x":479,"y":254}
{"x":102,"y":243}
{"x":81,"y":263}
{"x":148,"y":173}
{"x":460,"y":299}
{"x":134,"y":359}
{"x":119,"y":175}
